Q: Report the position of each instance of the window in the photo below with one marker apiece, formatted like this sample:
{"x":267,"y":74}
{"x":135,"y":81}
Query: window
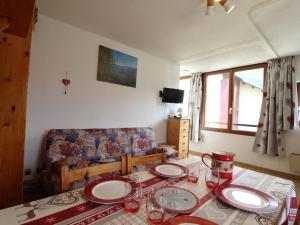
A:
{"x":217,"y":94}
{"x":184,"y":84}
{"x":232,"y":99}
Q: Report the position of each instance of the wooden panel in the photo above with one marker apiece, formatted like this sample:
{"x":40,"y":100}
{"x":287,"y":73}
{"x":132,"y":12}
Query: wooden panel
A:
{"x":183,"y":146}
{"x":104,"y":168}
{"x":3,"y":24}
{"x":14,"y":69}
{"x":184,"y":127}
{"x":148,"y":158}
{"x":183,"y":138}
{"x":138,"y":160}
{"x":173,"y":131}
{"x":19,"y":14}
{"x":67,"y":176}
{"x":183,"y":151}
{"x":166,"y":146}
{"x":185,"y":123}
{"x":178,"y":134}
{"x":183,"y":155}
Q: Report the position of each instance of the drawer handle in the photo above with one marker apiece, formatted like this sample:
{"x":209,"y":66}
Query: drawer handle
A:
{"x":184,"y":129}
{"x":183,"y":143}
{"x":183,"y":137}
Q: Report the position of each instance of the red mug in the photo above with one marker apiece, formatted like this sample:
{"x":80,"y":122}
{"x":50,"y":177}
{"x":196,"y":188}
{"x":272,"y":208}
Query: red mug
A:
{"x":223,"y":161}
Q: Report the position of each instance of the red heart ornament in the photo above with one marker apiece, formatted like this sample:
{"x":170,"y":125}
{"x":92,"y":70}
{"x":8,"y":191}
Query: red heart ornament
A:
{"x":66,"y":82}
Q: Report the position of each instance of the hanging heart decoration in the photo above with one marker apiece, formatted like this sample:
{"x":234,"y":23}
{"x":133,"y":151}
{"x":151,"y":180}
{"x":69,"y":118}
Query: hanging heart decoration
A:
{"x":66,"y":82}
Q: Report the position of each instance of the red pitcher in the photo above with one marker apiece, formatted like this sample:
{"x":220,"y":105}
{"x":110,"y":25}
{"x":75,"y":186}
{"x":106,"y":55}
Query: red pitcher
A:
{"x":223,"y":161}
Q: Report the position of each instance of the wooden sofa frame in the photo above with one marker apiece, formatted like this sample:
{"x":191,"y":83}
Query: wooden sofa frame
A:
{"x":68,"y":175}
{"x":138,"y":160}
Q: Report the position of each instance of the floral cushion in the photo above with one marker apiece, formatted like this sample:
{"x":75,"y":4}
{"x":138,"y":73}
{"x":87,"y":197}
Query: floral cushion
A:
{"x":117,"y":143}
{"x":142,"y":141}
{"x":74,"y":145}
{"x":94,"y":145}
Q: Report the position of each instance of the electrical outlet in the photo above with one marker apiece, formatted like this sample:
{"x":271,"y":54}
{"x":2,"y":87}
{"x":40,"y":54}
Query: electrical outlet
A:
{"x":27,"y":172}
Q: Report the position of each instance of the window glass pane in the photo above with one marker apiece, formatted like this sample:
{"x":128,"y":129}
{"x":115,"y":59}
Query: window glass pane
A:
{"x":248,"y":92}
{"x":185,"y":85}
{"x":216,"y":102}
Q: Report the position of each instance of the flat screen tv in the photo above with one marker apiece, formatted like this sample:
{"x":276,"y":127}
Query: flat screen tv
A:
{"x":171,"y":95}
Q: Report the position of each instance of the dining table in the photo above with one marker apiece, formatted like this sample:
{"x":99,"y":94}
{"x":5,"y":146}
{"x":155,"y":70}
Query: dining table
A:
{"x":73,"y":208}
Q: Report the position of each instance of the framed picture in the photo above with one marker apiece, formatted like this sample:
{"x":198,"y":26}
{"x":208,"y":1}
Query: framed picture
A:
{"x":116,"y":67}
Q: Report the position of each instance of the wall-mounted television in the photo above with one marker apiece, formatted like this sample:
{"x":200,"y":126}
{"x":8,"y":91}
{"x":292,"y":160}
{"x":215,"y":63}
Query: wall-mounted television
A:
{"x":171,"y":95}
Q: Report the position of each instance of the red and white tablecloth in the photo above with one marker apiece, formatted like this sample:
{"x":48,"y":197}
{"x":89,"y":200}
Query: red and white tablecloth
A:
{"x":72,"y":208}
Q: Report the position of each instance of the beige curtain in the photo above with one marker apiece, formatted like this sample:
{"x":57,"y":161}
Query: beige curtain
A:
{"x":195,"y":105}
{"x":278,"y":107}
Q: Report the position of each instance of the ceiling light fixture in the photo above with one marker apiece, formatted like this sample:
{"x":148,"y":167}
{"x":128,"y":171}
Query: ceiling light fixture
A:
{"x":228,"y":7}
{"x":209,"y":8}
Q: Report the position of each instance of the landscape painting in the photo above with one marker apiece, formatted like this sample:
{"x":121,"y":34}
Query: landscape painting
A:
{"x":116,"y":67}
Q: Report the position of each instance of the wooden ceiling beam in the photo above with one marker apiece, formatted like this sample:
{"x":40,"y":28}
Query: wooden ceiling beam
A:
{"x":19,"y":14}
{"x":4,"y":24}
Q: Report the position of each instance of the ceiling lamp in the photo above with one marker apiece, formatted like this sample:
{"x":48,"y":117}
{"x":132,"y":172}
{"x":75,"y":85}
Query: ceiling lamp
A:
{"x":228,"y":7}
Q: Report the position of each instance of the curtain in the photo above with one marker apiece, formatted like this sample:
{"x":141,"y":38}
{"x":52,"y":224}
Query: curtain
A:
{"x":277,"y":112}
{"x":195,"y":105}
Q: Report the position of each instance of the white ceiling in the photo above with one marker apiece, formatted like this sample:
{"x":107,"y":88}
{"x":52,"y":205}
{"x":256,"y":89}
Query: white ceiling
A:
{"x":179,"y":31}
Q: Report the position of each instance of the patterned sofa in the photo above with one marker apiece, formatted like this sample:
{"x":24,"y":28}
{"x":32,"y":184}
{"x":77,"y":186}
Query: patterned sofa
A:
{"x":89,"y":146}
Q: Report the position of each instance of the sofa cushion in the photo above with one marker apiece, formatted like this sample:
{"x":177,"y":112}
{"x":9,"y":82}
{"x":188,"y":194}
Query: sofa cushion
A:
{"x":74,"y":144}
{"x":142,"y":141}
{"x":117,"y":144}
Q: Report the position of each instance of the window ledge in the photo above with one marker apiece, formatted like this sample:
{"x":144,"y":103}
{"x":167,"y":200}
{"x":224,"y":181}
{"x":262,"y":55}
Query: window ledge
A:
{"x":238,"y":132}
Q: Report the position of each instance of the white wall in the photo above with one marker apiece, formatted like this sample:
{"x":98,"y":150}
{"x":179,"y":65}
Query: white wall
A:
{"x":242,"y":145}
{"x":58,"y":47}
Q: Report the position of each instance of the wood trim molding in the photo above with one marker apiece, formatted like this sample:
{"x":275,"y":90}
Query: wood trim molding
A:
{"x":4,"y":24}
{"x":239,"y":132}
{"x":186,"y":77}
{"x":257,"y":168}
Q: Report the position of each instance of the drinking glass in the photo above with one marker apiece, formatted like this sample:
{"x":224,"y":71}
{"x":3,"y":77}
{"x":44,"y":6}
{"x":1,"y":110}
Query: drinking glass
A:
{"x":193,"y":172}
{"x":212,"y":177}
{"x":155,"y":212}
{"x":133,"y":201}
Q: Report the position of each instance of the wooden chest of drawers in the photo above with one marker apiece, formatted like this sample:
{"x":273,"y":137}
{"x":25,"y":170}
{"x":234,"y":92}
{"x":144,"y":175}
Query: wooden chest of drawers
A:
{"x":178,"y":134}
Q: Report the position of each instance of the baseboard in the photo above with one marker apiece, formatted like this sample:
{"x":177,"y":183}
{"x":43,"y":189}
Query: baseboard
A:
{"x":257,"y":168}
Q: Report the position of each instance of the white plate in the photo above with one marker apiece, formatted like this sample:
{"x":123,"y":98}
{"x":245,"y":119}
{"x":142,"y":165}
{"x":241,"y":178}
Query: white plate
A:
{"x":246,"y":198}
{"x":110,"y":190}
{"x":177,"y":200}
{"x":170,"y":170}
